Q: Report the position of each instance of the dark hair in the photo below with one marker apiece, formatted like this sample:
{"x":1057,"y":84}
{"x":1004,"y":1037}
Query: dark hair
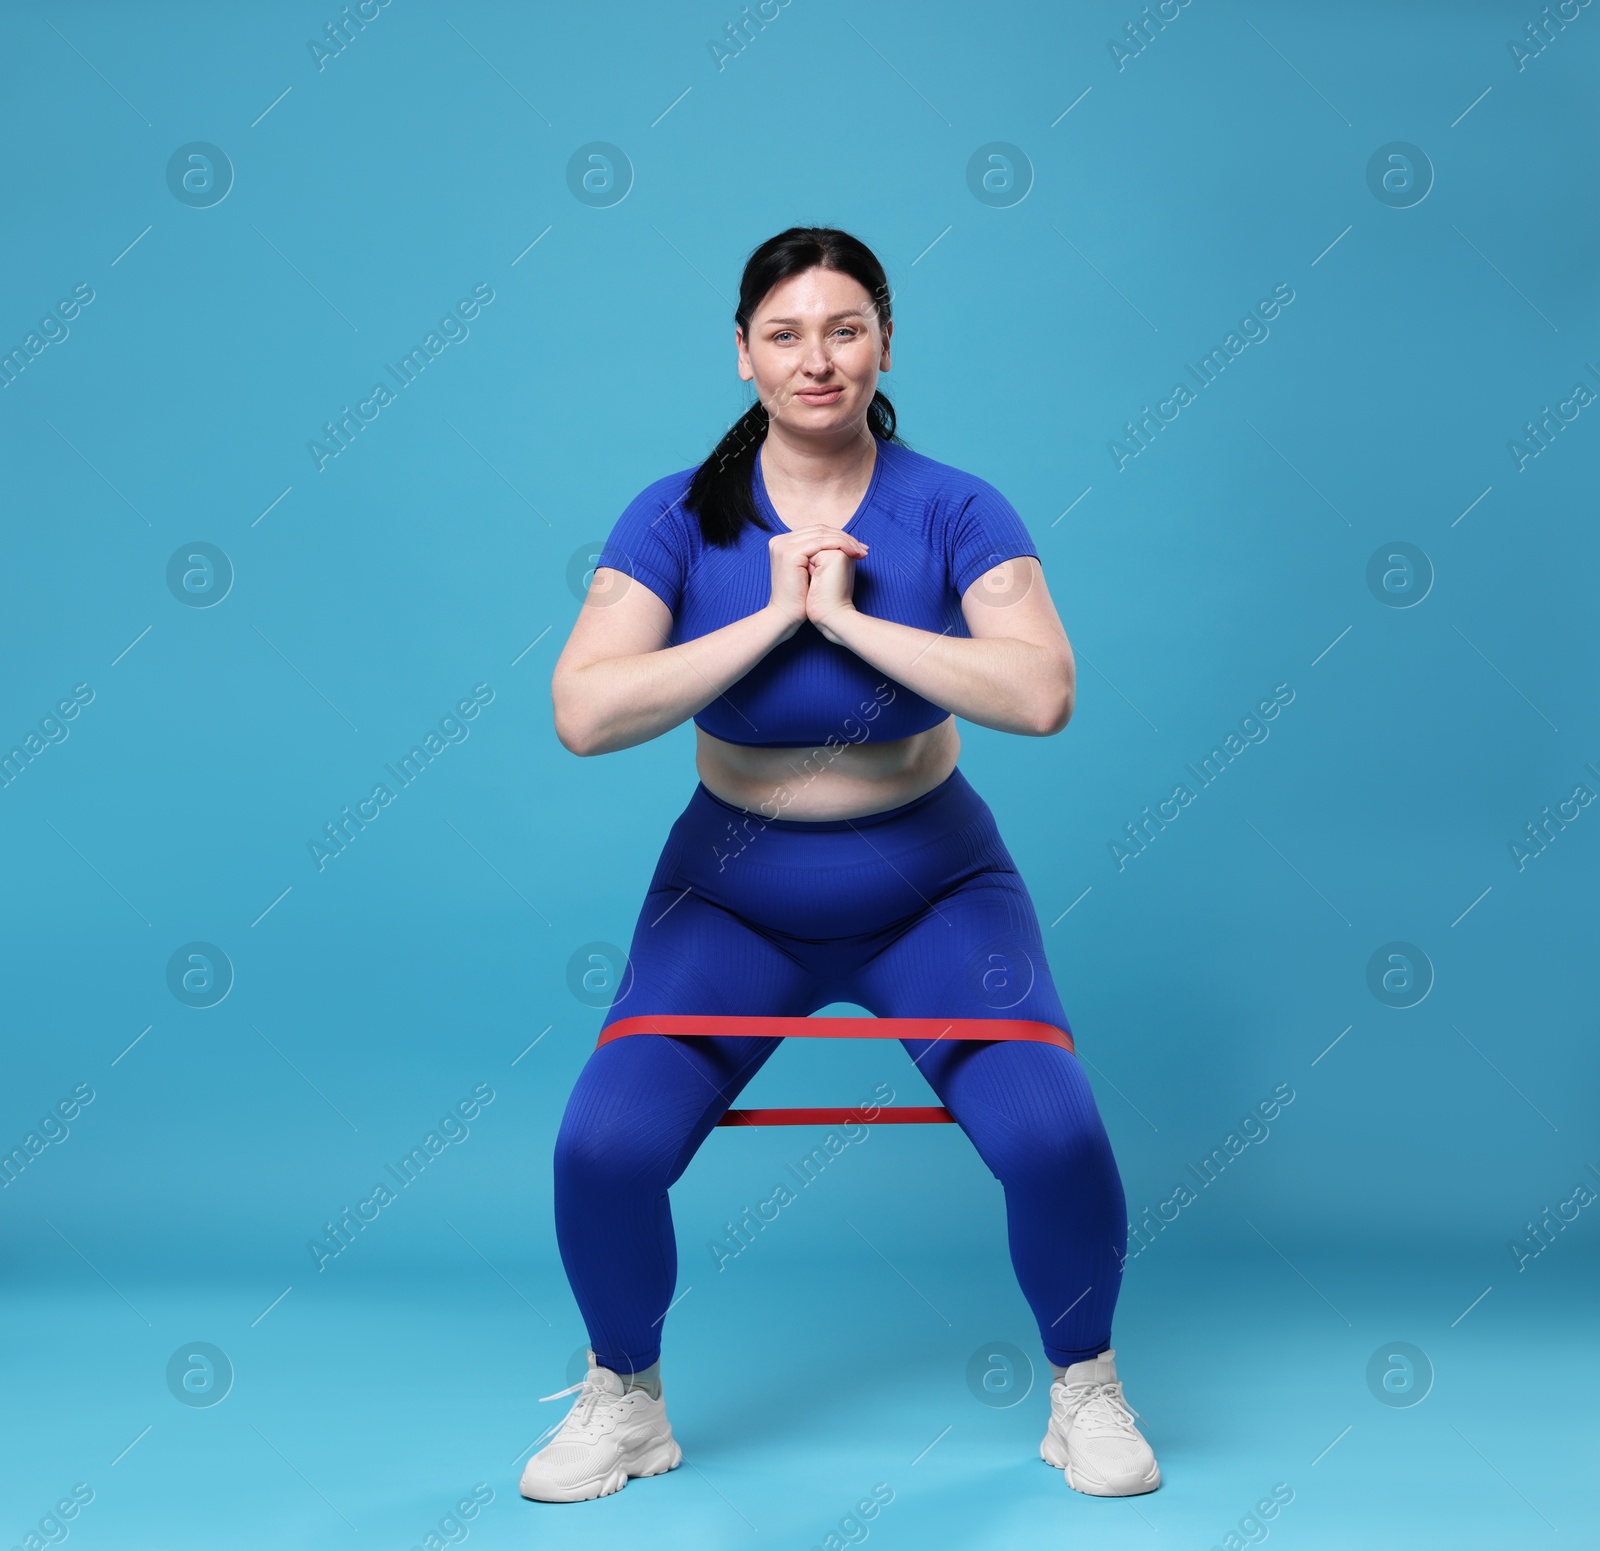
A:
{"x":720,"y":491}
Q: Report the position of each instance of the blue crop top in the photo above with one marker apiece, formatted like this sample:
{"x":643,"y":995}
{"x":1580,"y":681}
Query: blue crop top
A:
{"x":931,"y":531}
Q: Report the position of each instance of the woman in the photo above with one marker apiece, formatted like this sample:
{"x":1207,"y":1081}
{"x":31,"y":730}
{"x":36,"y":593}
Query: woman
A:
{"x":817,"y":594}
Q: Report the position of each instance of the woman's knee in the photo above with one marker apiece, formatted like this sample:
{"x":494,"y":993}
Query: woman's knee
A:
{"x":1052,"y":1131}
{"x":1054,"y":1155}
{"x":591,"y":1156}
{"x":609,"y":1138}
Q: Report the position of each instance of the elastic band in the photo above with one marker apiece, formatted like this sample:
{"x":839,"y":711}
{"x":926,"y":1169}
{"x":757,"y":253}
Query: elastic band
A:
{"x":703,"y":1025}
{"x":707,"y":1025}
{"x":906,"y":1114}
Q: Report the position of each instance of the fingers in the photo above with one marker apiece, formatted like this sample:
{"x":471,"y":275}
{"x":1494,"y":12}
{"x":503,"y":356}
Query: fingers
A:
{"x":807,"y":541}
{"x":828,"y":558}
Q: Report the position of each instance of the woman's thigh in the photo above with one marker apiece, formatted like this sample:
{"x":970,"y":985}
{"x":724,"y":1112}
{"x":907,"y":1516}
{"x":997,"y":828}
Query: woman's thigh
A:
{"x":1026,"y":1106}
{"x":643,"y":1103}
{"x":977,"y":953}
{"x":689,"y":955}
{"x":974,"y":952}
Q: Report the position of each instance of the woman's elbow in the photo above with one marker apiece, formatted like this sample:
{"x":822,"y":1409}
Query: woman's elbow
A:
{"x":1054,"y":711}
{"x":574,"y":730}
{"x":574,"y":742}
{"x":573,"y":739}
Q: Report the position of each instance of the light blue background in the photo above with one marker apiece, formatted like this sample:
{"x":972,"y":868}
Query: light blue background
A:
{"x":433,"y":555}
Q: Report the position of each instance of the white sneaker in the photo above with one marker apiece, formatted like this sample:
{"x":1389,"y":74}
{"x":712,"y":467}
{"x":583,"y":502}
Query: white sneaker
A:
{"x":609,"y":1435}
{"x":1091,"y":1436}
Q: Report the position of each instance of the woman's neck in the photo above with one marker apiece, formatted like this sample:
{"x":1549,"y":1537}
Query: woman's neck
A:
{"x":807,"y":472}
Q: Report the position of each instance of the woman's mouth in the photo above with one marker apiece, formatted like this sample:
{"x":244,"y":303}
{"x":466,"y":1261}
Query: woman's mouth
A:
{"x":819,"y":395}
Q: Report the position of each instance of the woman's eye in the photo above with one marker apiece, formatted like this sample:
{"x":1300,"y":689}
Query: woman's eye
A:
{"x":783,"y":334}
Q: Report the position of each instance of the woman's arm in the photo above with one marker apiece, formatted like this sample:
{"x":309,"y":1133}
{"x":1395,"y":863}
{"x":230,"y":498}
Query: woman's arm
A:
{"x":617,"y":683}
{"x":1016,"y":671}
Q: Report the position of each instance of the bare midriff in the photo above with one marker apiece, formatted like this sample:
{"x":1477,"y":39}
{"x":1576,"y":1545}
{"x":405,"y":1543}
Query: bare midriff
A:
{"x":841,"y":781}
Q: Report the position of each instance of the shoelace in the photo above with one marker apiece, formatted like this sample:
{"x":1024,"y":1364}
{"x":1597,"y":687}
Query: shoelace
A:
{"x":1099,"y":1409}
{"x":581,"y":1420}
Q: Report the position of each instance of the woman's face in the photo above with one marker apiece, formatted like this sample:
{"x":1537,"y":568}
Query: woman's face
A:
{"x":814,"y":352}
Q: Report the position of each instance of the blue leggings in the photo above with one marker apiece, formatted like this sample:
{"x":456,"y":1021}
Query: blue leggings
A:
{"x":914,"y":912}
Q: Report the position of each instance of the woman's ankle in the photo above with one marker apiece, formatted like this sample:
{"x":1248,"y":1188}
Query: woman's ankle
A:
{"x":647,"y":1379}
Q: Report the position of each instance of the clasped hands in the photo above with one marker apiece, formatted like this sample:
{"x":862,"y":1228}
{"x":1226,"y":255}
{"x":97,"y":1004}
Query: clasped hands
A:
{"x":813,"y":574}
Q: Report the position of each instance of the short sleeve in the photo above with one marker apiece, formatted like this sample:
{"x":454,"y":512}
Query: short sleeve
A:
{"x":648,"y":541}
{"x":985,"y":531}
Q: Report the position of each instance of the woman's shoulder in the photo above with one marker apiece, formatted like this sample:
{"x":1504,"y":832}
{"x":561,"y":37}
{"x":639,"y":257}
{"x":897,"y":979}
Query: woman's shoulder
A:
{"x":658,"y":513}
{"x":667,"y":491}
{"x":943,"y":485}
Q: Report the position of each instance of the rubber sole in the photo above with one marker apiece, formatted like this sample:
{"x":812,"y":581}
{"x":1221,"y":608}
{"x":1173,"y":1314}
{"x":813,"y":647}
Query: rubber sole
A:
{"x":659,"y":1460}
{"x":1049,"y":1448}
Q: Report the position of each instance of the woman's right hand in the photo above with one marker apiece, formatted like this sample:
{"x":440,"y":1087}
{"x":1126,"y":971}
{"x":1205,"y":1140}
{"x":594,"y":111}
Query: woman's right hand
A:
{"x":790,"y":554}
{"x":619,"y":683}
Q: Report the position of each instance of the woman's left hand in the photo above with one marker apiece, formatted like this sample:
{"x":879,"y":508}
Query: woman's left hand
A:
{"x":830,"y":588}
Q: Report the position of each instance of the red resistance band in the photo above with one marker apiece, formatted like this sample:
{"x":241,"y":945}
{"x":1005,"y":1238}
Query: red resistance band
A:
{"x":700,"y":1026}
